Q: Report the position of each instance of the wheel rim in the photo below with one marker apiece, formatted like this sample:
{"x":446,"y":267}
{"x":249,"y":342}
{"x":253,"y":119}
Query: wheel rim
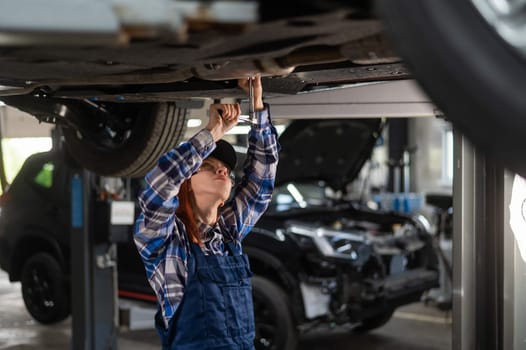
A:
{"x":266,"y":328}
{"x":109,"y":138}
{"x":508,"y":17}
{"x":39,"y":291}
{"x":110,"y":133}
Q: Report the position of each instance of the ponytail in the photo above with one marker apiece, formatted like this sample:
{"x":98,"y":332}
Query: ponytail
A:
{"x":185,"y":212}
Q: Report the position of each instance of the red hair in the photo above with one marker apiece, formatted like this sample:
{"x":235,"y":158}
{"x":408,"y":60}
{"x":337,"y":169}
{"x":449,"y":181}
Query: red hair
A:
{"x":185,"y":211}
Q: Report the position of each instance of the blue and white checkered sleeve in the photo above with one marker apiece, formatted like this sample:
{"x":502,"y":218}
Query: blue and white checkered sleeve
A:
{"x":254,"y":192}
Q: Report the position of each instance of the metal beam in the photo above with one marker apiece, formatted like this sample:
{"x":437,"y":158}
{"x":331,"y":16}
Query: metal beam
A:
{"x":478,"y":249}
{"x":391,"y":99}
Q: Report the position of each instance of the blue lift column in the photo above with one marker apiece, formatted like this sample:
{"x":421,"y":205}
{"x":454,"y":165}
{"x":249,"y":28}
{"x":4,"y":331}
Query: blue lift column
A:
{"x":93,"y":272}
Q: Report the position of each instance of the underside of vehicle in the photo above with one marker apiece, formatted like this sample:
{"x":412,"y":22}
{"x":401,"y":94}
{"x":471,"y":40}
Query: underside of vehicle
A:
{"x":127,"y":90}
{"x":78,"y":59}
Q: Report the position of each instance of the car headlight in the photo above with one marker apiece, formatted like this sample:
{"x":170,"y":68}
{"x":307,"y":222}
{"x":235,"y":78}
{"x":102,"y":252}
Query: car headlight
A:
{"x":336,"y":244}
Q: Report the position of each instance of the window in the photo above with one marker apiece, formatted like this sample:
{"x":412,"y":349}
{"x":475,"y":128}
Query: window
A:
{"x":16,"y":151}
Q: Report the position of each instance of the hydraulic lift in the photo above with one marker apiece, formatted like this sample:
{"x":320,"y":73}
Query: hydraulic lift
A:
{"x":489,"y":274}
{"x":96,"y":225}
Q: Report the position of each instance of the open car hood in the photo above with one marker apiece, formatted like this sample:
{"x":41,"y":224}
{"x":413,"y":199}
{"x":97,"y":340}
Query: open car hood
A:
{"x":330,"y":150}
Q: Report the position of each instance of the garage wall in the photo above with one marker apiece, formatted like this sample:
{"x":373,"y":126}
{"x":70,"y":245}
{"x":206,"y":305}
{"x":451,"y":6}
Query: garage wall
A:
{"x":15,"y":123}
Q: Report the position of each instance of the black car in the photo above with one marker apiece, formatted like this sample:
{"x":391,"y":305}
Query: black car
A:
{"x":316,"y":258}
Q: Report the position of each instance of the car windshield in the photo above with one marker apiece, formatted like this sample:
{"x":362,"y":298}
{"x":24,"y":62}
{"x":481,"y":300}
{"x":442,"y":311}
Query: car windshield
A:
{"x":299,"y":195}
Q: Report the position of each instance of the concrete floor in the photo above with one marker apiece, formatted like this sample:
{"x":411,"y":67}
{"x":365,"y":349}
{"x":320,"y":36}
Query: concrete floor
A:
{"x":413,"y":327}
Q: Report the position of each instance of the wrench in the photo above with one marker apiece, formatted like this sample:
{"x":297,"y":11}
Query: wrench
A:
{"x":251,"y":115}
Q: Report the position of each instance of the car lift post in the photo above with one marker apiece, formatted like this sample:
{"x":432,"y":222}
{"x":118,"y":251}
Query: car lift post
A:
{"x":93,"y":273}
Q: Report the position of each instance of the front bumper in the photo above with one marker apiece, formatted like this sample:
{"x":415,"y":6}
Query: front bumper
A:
{"x":394,"y":291}
{"x":365,"y":298}
{"x":409,"y":282}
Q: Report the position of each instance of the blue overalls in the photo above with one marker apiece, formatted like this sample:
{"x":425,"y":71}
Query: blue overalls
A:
{"x":216,"y":311}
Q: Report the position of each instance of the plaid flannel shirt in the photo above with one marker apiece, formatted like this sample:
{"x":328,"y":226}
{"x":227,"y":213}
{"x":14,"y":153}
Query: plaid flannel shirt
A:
{"x":161,"y":237}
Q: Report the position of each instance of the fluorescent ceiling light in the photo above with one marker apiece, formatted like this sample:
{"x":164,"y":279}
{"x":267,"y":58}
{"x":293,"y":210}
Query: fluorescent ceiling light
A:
{"x":193,"y":123}
{"x":244,"y":129}
{"x":239,"y":130}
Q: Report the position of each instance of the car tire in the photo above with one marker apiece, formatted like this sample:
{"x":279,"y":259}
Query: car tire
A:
{"x":44,"y":289}
{"x":374,"y":322}
{"x":473,"y":75}
{"x":275,"y":328}
{"x":157,"y":127}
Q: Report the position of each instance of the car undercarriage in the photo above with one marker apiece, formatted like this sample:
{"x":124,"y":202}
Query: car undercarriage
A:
{"x":128,"y":90}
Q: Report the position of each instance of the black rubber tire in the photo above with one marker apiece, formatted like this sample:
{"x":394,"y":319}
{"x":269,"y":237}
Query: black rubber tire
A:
{"x":275,"y":329}
{"x":158,"y":127}
{"x":374,"y":322}
{"x":45,"y":290}
{"x":467,"y":69}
